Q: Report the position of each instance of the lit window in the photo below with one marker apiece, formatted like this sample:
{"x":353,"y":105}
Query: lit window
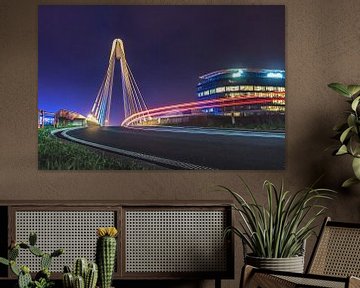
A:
{"x":220,"y":89}
{"x":281,"y":102}
{"x":280,"y":89}
{"x":212,"y":91}
{"x":247,"y":88}
{"x":232,"y":88}
{"x":270,"y":88}
{"x":273,"y":108}
{"x":259,"y":88}
{"x":206,"y":92}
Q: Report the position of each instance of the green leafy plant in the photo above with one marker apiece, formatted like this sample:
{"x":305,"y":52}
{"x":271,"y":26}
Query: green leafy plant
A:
{"x":349,"y":131}
{"x":42,"y":278}
{"x":279,"y":229}
{"x":43,"y":283}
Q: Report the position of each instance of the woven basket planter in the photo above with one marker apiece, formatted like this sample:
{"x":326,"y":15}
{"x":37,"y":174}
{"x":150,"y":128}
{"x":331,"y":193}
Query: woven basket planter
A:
{"x":291,"y":264}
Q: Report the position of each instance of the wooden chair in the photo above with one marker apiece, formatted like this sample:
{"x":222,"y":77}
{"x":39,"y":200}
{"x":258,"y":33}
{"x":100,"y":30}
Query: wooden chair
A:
{"x":335,"y":262}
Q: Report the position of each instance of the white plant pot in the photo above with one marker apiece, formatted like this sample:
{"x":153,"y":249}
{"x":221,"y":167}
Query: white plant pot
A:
{"x":291,"y":264}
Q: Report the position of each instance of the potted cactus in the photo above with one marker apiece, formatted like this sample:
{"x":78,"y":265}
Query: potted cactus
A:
{"x":42,"y":278}
{"x":106,"y":254}
{"x":85,"y":275}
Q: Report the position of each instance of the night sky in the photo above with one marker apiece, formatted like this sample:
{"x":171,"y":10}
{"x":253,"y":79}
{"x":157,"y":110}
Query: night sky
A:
{"x":167,"y":48}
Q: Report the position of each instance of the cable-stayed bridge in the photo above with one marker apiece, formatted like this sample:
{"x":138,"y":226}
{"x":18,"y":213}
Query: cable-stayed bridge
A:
{"x":135,"y":109}
{"x":132,"y":98}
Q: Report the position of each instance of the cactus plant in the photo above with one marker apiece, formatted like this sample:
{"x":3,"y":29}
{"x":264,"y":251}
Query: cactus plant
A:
{"x":91,"y":276}
{"x":13,"y":253}
{"x":106,"y":254}
{"x":84,"y":274}
{"x":45,"y":261}
{"x":42,"y":278}
{"x":57,"y":253}
{"x":36,"y":251}
{"x":24,"y":280}
{"x":80,"y":268}
{"x":67,"y":269}
{"x":79,"y":282}
{"x":68,"y":280}
{"x":14,"y":268}
{"x":43,"y":274}
{"x":32,"y":238}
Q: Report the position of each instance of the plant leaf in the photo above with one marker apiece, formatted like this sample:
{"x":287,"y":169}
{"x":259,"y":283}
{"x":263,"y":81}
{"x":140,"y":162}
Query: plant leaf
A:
{"x":345,"y":134}
{"x":351,"y":120}
{"x":355,"y":103}
{"x":342,"y":150}
{"x":356,"y":167}
{"x":14,"y":268}
{"x":354,"y":145}
{"x":353,"y":89}
{"x":349,"y":182}
{"x":4,"y":261}
{"x":340,"y":88}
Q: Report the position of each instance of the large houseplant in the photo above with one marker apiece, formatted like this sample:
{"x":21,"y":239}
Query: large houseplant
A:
{"x":349,"y":131}
{"x":275,"y":233}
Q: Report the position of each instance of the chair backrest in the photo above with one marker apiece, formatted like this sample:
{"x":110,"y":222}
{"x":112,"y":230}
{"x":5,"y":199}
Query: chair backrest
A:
{"x":337,"y":251}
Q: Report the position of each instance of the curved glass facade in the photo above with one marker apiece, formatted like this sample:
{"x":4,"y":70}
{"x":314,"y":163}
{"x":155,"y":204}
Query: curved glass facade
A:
{"x":255,"y":83}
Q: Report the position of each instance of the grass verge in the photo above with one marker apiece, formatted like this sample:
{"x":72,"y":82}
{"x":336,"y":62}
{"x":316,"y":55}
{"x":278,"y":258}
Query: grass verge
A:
{"x":56,"y":154}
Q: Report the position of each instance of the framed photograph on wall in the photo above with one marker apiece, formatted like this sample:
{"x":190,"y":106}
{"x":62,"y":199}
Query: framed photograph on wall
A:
{"x":135,"y":87}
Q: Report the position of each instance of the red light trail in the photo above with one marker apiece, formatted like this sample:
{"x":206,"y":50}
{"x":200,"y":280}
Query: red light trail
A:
{"x":238,"y":100}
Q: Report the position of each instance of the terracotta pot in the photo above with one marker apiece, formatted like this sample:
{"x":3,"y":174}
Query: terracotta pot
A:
{"x":291,"y":264}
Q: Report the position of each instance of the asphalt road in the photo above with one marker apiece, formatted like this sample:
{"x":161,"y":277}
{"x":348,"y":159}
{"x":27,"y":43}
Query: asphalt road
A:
{"x":213,"y":148}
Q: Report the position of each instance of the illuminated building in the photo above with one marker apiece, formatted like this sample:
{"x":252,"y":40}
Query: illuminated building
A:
{"x":236,"y":83}
{"x":65,"y":117}
{"x":45,"y":118}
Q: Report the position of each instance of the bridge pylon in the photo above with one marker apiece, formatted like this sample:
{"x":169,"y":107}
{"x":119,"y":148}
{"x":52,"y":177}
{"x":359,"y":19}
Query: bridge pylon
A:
{"x":132,"y":98}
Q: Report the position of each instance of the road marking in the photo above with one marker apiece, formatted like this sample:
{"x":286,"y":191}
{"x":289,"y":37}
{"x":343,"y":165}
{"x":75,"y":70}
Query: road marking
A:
{"x":151,"y":158}
{"x":212,"y":131}
{"x":53,"y":132}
